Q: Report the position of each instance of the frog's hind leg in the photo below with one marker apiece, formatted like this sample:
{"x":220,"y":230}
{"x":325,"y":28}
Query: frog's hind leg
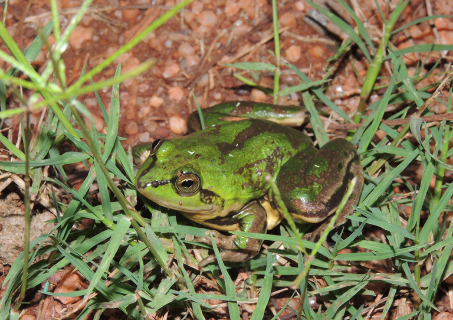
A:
{"x":312,"y":185}
{"x":293,"y":116}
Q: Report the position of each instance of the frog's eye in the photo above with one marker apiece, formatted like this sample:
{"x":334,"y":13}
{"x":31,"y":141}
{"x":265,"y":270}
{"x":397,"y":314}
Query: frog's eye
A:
{"x":187,"y":184}
{"x":155,"y":145}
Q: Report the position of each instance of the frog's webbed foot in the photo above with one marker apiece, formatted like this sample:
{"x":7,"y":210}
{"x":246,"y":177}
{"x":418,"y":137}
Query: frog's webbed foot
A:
{"x":230,"y":256}
{"x":252,"y":218}
{"x":222,"y":241}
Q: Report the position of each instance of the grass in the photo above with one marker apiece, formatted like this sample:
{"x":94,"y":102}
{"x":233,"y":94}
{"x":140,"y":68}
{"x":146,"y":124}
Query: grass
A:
{"x":130,"y":253}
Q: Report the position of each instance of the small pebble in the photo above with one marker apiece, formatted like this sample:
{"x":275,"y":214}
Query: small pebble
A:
{"x":207,"y":18}
{"x":177,"y":125}
{"x":249,"y":7}
{"x":317,"y":52}
{"x":185,"y":50}
{"x":416,"y":32}
{"x":231,"y":8}
{"x":86,"y":20}
{"x":189,"y":16}
{"x":201,"y":30}
{"x":410,"y":58}
{"x":143,"y":87}
{"x":124,"y":98}
{"x":150,"y":125}
{"x":176,"y":93}
{"x":446,"y":37}
{"x":154,"y":43}
{"x":118,"y":14}
{"x":203,"y":81}
{"x":123,"y":58}
{"x":293,"y":53}
{"x":144,"y":112}
{"x":143,"y":137}
{"x":168,"y":43}
{"x":99,"y":123}
{"x":131,"y":15}
{"x":129,"y":65}
{"x":299,"y":6}
{"x":40,"y":59}
{"x":131,"y":128}
{"x":112,"y":36}
{"x":78,"y":36}
{"x":197,"y":7}
{"x":242,"y":29}
{"x":192,"y":61}
{"x":443,"y":24}
{"x":258,"y":96}
{"x":156,"y":101}
{"x":171,"y":70}
{"x":287,"y":19}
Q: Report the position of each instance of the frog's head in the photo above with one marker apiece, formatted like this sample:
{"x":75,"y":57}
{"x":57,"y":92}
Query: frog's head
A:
{"x":175,"y":175}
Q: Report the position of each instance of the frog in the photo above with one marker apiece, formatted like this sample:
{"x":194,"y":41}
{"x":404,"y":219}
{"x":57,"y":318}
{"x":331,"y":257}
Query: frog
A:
{"x":217,"y":176}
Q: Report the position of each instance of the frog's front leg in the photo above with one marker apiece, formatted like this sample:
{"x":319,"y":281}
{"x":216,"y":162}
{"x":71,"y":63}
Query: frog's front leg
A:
{"x":252,"y":218}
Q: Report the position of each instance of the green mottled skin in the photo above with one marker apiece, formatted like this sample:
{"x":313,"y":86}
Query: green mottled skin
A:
{"x":216,"y":177}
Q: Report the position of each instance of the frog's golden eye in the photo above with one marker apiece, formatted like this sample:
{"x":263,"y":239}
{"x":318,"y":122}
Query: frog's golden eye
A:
{"x":187,"y":184}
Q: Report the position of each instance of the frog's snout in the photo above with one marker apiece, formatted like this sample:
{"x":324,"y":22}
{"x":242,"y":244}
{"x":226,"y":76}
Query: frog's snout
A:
{"x":143,"y":183}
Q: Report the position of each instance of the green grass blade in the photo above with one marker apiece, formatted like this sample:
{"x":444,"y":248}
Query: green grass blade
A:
{"x":422,"y":48}
{"x":360,"y":27}
{"x":432,"y":223}
{"x":344,"y":298}
{"x":159,"y":251}
{"x":124,"y":160}
{"x":345,"y":27}
{"x":371,"y":130}
{"x":420,"y":198}
{"x":420,"y":20}
{"x":103,"y":192}
{"x":233,"y":308}
{"x":67,"y":158}
{"x":318,"y":128}
{"x":198,"y":314}
{"x":114,"y":118}
{"x":415,"y":287}
{"x":122,"y":227}
{"x":266,"y":289}
{"x":379,"y":190}
{"x":302,"y":87}
{"x":320,"y":94}
{"x":253,"y":66}
{"x":12,"y":148}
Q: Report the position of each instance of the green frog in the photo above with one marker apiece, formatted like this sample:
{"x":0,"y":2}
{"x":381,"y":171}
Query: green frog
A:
{"x":217,"y":176}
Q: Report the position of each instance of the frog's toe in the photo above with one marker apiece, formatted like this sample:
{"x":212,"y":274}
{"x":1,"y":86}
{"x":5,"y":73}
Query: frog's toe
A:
{"x":214,"y":233}
{"x":225,"y":242}
{"x":229,"y":256}
{"x":206,"y":240}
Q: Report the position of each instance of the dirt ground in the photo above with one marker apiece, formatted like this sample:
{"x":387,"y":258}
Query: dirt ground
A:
{"x":191,"y":52}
